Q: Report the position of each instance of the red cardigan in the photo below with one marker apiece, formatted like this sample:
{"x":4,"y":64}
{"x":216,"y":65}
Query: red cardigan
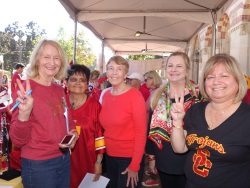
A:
{"x":123,"y":118}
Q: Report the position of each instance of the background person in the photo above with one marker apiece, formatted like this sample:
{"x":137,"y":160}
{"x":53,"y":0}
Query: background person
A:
{"x":123,"y":117}
{"x":5,"y":81}
{"x":169,"y":165}
{"x":135,"y":80}
{"x":216,"y":132}
{"x":17,"y":75}
{"x":87,"y":155}
{"x":38,"y":124}
{"x":152,"y":82}
{"x":93,"y":79}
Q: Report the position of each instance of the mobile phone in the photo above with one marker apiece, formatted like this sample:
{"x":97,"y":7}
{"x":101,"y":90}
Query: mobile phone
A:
{"x":68,"y":139}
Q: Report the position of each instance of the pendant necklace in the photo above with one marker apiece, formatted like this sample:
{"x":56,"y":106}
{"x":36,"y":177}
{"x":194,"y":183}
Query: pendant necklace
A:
{"x":75,"y":106}
{"x":211,"y":126}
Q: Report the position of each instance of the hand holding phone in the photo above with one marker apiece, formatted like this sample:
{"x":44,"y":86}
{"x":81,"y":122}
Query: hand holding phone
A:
{"x":67,"y":140}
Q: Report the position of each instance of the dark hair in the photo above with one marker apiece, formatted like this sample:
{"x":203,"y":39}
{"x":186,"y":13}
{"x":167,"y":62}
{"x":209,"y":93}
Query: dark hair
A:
{"x":18,"y":65}
{"x":78,"y":69}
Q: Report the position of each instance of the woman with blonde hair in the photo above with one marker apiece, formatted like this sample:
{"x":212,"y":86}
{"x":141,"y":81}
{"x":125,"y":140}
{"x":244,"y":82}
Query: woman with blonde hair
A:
{"x":152,"y":82}
{"x":169,"y":165}
{"x":41,"y":120}
{"x":216,"y":132}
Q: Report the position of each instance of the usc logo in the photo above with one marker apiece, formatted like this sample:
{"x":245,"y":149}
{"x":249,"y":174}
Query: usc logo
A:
{"x":202,"y":164}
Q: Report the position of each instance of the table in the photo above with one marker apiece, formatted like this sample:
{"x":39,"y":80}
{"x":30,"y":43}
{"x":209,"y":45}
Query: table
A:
{"x":14,"y":183}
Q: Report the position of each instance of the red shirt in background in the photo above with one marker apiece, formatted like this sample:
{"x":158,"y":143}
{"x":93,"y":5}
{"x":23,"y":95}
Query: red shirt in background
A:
{"x":15,"y":76}
{"x":247,"y":97}
{"x":145,"y":92}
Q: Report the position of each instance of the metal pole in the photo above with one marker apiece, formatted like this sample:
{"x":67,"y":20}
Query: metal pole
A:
{"x":20,"y":52}
{"x":1,"y":60}
{"x":75,"y":36}
{"x":102,"y":61}
{"x":2,"y":69}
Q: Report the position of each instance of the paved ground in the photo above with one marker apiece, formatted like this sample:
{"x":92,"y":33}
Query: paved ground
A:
{"x":147,"y":177}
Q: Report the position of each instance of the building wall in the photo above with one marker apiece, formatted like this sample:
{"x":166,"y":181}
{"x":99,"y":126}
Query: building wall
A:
{"x":232,"y":37}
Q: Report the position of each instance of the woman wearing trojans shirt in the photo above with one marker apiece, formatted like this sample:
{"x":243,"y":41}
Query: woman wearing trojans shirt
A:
{"x":123,"y":117}
{"x":216,"y":132}
{"x":38,"y":124}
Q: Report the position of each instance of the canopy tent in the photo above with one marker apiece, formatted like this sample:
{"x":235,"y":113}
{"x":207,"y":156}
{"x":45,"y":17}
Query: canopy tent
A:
{"x":163,"y":25}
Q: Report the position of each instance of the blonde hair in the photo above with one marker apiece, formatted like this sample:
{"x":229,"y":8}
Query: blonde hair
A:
{"x":185,"y":58}
{"x":232,"y":66}
{"x":157,"y":81}
{"x":157,"y":94}
{"x":94,"y":74}
{"x":32,"y":68}
{"x":119,"y":60}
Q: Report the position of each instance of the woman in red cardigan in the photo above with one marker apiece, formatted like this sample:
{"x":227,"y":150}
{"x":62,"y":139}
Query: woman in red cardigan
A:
{"x":123,"y":117}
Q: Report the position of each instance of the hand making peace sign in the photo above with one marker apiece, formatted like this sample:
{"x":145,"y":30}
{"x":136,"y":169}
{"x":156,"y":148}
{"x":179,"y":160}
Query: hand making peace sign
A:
{"x":26,"y":101}
{"x":177,"y":108}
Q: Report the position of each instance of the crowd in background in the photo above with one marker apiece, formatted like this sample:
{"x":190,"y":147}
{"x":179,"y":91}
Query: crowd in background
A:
{"x":191,"y":135}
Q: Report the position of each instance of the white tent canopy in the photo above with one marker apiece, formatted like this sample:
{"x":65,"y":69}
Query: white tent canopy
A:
{"x":165,"y":25}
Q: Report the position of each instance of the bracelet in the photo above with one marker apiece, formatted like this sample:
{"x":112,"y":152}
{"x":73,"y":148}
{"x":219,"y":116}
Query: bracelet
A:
{"x":151,"y":158}
{"x":179,"y":126}
{"x":98,"y":160}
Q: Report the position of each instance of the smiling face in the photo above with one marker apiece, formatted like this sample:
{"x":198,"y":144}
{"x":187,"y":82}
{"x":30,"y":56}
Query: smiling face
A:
{"x":77,"y":84}
{"x":116,"y":73}
{"x":49,"y":62}
{"x":176,"y":70}
{"x":220,"y":84}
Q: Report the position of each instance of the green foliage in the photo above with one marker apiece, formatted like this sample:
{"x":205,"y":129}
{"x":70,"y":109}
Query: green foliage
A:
{"x":14,"y":50}
{"x":141,"y":57}
{"x":84,"y":53}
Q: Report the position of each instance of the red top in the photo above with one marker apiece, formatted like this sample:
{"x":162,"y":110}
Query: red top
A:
{"x":123,"y":118}
{"x":247,"y":97}
{"x":38,"y":137}
{"x":84,"y":154}
{"x":145,"y":92}
{"x":15,"y":76}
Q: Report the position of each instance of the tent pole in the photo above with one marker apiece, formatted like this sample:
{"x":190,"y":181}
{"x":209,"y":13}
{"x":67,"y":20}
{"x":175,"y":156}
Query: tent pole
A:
{"x":75,"y":35}
{"x":102,"y":57}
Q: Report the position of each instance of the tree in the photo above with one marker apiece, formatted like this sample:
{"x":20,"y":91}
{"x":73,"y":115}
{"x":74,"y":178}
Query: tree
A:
{"x":84,"y":53}
{"x":141,"y":57}
{"x":13,"y":50}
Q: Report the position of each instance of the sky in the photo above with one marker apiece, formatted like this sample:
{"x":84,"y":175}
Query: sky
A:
{"x":48,"y":14}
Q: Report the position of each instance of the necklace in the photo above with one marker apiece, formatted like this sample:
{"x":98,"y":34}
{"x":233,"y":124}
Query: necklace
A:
{"x":211,"y":125}
{"x":75,"y":105}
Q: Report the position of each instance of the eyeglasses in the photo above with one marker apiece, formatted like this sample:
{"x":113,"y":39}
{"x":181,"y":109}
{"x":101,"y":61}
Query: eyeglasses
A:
{"x":81,"y":80}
